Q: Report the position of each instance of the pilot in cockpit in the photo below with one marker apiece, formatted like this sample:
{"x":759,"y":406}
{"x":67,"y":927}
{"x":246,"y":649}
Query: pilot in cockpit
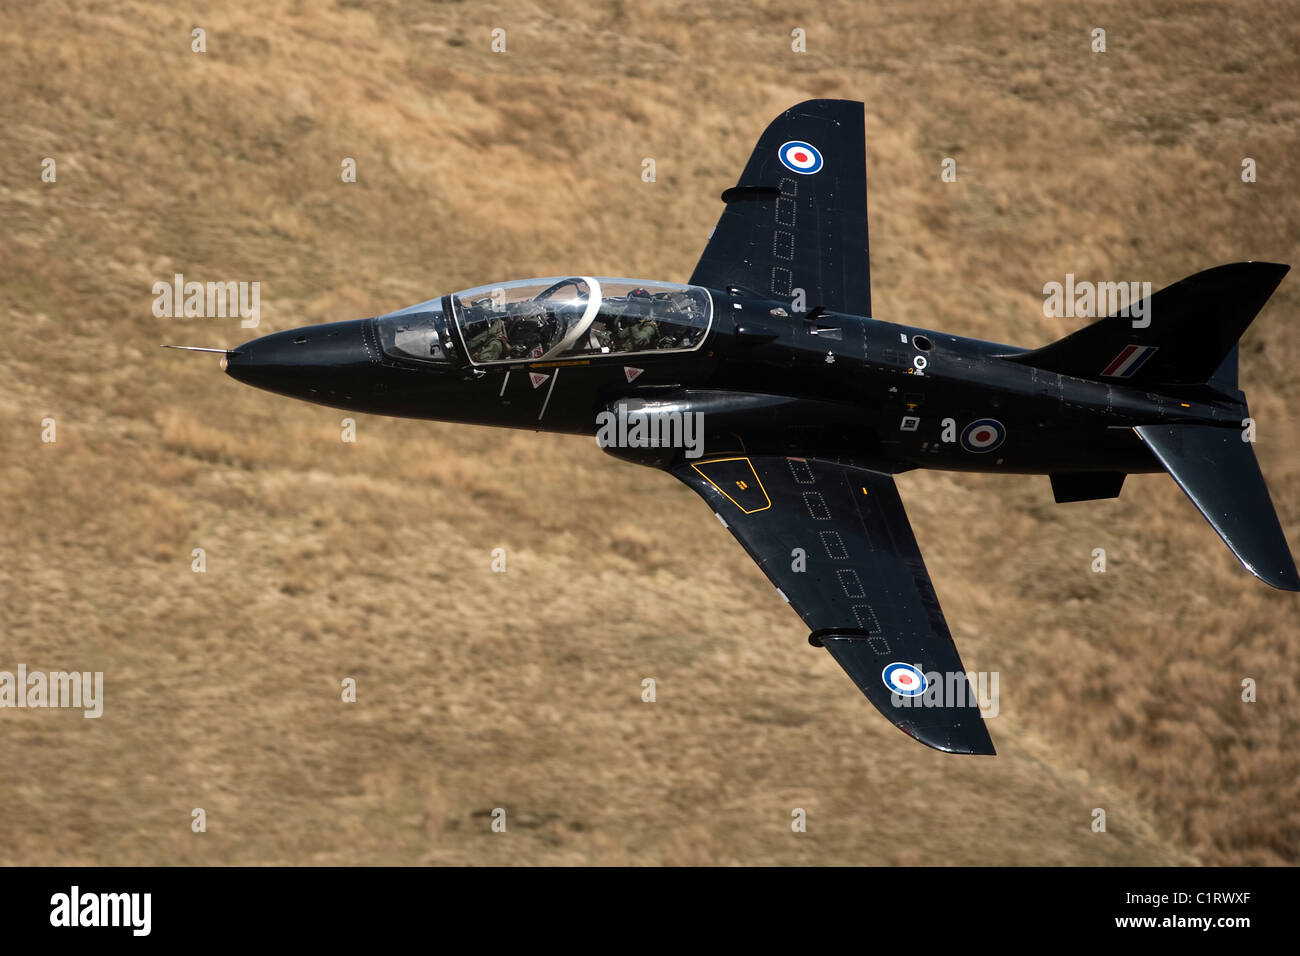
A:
{"x":486,"y":337}
{"x":530,"y":329}
{"x":636,"y":330}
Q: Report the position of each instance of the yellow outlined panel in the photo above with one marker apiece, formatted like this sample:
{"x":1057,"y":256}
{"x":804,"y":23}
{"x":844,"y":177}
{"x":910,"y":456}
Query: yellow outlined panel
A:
{"x":737,"y":481}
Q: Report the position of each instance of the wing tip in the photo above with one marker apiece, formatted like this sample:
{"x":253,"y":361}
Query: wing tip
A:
{"x":972,"y":739}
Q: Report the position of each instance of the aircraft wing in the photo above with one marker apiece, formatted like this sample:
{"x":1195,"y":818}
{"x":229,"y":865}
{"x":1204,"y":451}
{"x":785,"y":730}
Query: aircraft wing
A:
{"x":797,"y":218}
{"x":863,"y":588}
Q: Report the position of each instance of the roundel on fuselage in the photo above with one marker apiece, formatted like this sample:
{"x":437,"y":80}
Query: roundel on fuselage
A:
{"x":983,"y":435}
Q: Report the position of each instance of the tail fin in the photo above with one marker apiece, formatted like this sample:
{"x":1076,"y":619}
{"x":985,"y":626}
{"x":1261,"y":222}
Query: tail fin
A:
{"x":1224,"y":378}
{"x":1193,"y":327}
{"x":1219,"y":472}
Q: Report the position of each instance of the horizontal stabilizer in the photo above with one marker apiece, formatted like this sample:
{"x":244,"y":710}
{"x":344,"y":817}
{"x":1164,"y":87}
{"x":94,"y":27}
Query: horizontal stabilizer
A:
{"x":1219,"y":472}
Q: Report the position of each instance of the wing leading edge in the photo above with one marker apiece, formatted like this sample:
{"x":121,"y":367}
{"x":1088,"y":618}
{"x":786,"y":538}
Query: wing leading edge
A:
{"x":797,"y":217}
{"x":834,"y":538}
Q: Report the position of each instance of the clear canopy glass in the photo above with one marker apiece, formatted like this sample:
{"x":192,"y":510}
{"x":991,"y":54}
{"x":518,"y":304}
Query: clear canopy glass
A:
{"x":420,"y":333}
{"x":572,"y":316}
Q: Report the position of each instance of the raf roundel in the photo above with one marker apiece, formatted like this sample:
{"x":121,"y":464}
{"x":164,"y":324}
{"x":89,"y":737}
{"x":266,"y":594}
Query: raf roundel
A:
{"x":800,"y":157}
{"x":983,"y":435}
{"x":904,"y":680}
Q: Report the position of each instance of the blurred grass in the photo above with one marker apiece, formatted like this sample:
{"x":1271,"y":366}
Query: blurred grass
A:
{"x":522,"y":690}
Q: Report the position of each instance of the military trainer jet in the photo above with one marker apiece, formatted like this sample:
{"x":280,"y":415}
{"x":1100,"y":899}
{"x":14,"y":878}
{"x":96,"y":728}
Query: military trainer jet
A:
{"x":767,"y":385}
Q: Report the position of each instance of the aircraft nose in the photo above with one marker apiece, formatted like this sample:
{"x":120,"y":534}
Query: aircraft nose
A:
{"x":304,"y":362}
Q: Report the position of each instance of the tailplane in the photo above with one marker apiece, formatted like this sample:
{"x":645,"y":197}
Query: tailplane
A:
{"x":1217,"y":469}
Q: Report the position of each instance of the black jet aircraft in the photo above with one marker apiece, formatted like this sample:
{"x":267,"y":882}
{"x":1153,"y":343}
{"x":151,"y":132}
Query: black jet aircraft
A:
{"x":767,"y":385}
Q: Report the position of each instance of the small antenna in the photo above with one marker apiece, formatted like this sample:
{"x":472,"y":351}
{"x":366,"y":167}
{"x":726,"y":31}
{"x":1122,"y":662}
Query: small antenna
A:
{"x":200,"y":348}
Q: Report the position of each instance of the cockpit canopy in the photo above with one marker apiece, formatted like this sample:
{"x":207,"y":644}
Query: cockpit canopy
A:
{"x":419,"y":332}
{"x":535,"y":319}
{"x":580,"y":316}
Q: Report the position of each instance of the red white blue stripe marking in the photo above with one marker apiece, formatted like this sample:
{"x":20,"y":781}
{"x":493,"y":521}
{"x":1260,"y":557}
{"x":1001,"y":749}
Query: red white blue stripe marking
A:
{"x":1130,"y":359}
{"x":800,"y":157}
{"x":904,"y":680}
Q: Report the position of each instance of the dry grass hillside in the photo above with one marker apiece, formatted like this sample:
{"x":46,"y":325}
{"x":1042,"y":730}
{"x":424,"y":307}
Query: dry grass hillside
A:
{"x":521,"y":690}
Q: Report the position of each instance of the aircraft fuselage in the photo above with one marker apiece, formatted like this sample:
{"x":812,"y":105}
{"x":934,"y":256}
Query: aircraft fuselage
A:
{"x":814,"y":384}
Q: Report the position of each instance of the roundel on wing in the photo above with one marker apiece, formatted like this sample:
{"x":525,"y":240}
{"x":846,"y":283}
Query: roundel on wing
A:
{"x":983,"y":435}
{"x":800,"y":157}
{"x":904,"y":679}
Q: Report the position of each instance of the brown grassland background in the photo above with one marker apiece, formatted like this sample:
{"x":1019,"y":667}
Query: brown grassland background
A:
{"x":522,"y":690}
